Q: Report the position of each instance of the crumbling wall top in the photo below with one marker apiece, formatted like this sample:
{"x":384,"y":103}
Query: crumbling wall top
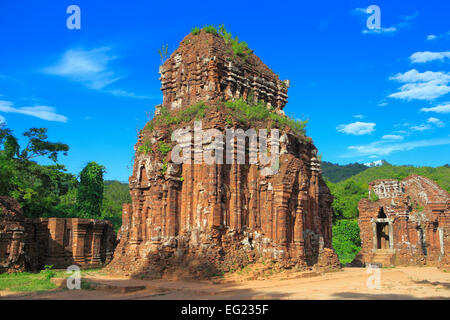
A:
{"x":205,"y":68}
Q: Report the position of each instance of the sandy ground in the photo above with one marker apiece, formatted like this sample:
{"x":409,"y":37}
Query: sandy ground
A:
{"x":349,"y":283}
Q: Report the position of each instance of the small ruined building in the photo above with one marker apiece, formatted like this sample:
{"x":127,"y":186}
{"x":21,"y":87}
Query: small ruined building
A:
{"x":405,"y":222}
{"x":29,"y":244}
{"x":210,"y":218}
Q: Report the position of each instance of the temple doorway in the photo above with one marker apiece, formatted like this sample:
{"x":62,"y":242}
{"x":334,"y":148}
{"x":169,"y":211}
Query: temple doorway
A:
{"x":382,"y":235}
{"x":382,"y":230}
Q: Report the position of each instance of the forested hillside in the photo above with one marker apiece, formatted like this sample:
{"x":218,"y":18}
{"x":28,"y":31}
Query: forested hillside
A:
{"x":335,"y":172}
{"x":49,"y":190}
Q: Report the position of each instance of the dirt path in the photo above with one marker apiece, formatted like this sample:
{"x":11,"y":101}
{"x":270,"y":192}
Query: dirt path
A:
{"x":350,"y":283}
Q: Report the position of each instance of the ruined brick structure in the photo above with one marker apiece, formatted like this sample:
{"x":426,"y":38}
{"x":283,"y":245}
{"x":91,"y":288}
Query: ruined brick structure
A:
{"x":28,"y":244}
{"x":204,"y":68}
{"x":406,"y":222}
{"x":217,"y":217}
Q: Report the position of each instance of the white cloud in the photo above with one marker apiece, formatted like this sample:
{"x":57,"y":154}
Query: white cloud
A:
{"x":357,"y":128}
{"x":442,"y":108}
{"x":2,"y":121}
{"x":439,"y":36}
{"x":93,"y":69}
{"x":374,"y":163}
{"x":427,"y":85}
{"x":392,"y":137}
{"x":359,"y":116}
{"x":89,"y":67}
{"x":421,"y":127}
{"x":382,"y":148}
{"x":127,"y":94}
{"x":41,"y":112}
{"x":359,"y":11}
{"x":436,"y":122}
{"x":427,"y":56}
{"x":404,"y":21}
{"x":416,"y":76}
{"x":380,"y":31}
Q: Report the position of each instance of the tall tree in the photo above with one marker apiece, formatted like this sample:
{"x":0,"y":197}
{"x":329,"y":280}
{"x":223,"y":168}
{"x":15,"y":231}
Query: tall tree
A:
{"x":90,"y":191}
{"x":37,"y":188}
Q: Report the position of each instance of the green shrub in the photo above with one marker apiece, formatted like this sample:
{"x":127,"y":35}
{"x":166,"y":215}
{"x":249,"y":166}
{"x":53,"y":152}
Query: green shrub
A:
{"x":239,"y":48}
{"x":48,"y":272}
{"x":164,"y":148}
{"x":164,"y":167}
{"x":210,"y":29}
{"x":150,"y":126}
{"x":373,"y":196}
{"x":246,"y":113}
{"x":146,"y":147}
{"x":195,"y":31}
{"x":346,"y":240}
{"x":195,"y":111}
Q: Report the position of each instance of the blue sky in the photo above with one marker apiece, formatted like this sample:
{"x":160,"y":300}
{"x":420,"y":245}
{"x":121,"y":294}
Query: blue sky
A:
{"x":368,"y":94}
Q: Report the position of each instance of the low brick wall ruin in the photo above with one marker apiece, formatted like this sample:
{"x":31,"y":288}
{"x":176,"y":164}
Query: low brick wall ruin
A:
{"x":29,"y":244}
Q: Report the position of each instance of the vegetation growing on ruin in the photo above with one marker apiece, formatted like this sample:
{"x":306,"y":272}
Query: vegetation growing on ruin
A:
{"x":247,"y":112}
{"x":373,"y":197}
{"x":164,"y":166}
{"x":195,"y":30}
{"x":146,"y":147}
{"x":163,"y":53}
{"x":164,"y":148}
{"x":240,"y":48}
{"x":196,"y":111}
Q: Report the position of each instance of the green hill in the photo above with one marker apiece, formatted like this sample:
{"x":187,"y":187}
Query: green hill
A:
{"x":114,"y":196}
{"x":335,"y":172}
{"x":441,"y":175}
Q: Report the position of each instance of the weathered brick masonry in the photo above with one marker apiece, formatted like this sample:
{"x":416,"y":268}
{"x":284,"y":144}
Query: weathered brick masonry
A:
{"x":30,"y":244}
{"x":409,"y":223}
{"x":215,"y":217}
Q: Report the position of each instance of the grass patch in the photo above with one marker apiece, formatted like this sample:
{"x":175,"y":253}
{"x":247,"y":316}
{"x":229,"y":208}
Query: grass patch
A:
{"x":146,"y":147}
{"x":249,"y":112}
{"x":195,"y":31}
{"x":36,"y":282}
{"x":164,"y":148}
{"x":240,"y":48}
{"x":164,"y":167}
{"x":25,"y":281}
{"x":210,"y":29}
{"x":196,"y":111}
